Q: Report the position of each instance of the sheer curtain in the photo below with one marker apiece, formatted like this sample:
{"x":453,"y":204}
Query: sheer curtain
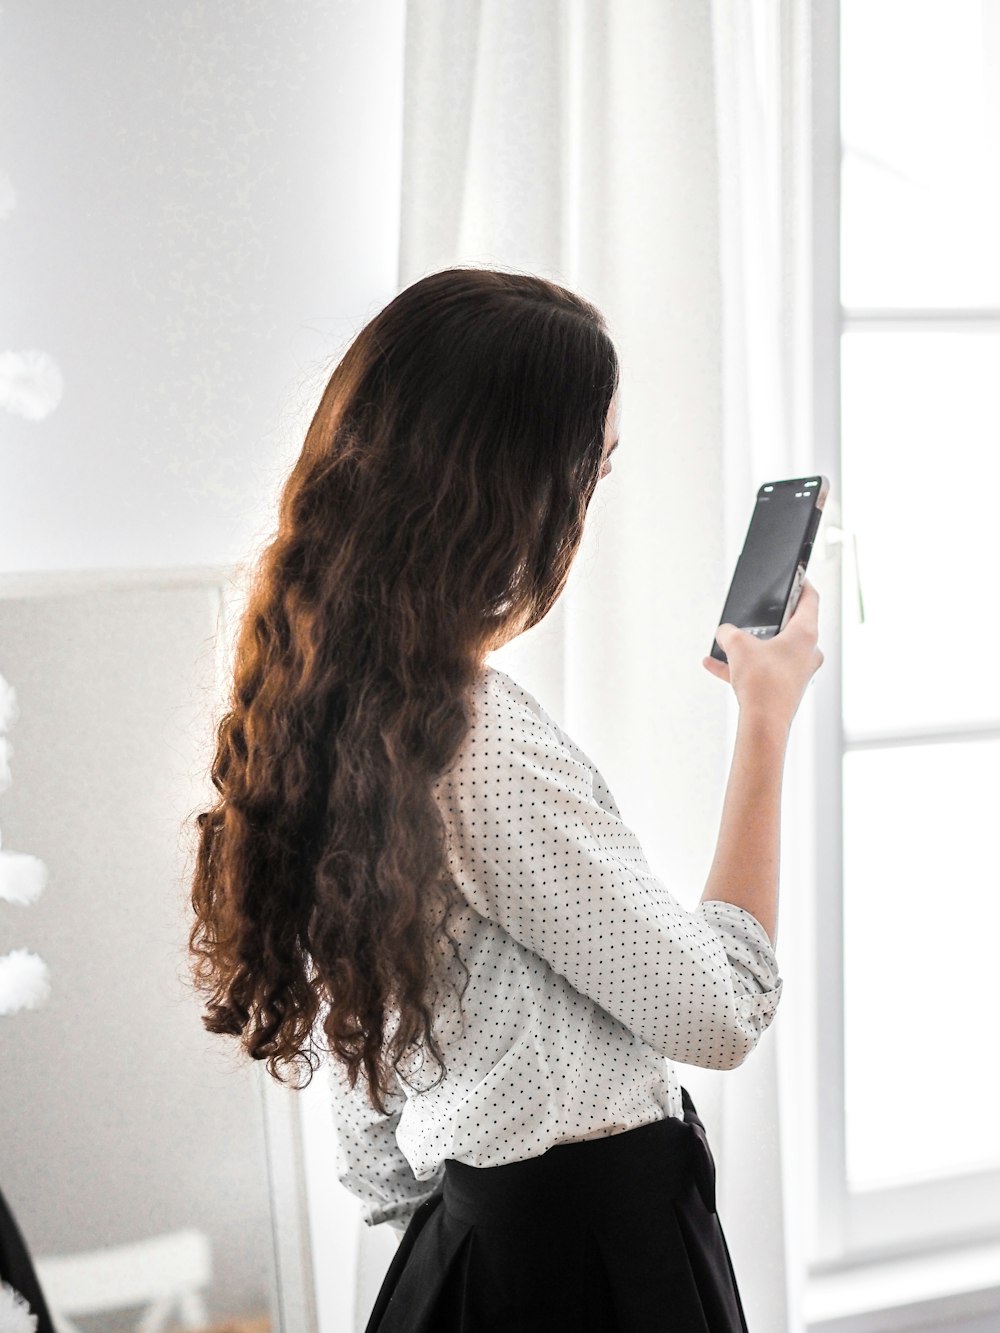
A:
{"x":751,"y":98}
{"x":763,"y":101}
{"x":630,"y":152}
{"x":577,"y":140}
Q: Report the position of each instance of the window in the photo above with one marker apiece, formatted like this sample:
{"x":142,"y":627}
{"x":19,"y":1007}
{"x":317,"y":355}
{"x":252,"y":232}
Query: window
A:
{"x":916,"y":348}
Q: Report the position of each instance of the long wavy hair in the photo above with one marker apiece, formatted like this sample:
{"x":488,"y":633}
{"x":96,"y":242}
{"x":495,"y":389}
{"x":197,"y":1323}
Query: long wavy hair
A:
{"x":434,"y":512}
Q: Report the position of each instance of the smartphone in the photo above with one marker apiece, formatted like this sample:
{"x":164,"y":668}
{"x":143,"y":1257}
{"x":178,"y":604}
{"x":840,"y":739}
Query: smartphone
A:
{"x":772,"y":565}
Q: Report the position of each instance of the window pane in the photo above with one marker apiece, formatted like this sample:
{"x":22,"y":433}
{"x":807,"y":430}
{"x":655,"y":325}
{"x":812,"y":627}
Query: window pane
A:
{"x":921,"y":486}
{"x":921,"y":920}
{"x":920,"y":122}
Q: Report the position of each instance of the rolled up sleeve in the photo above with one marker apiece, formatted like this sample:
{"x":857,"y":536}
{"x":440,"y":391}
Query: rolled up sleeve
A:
{"x":753,"y":963}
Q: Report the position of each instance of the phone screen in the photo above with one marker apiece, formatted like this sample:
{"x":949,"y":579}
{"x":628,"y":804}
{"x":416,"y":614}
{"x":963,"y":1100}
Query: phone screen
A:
{"x":783,"y":524}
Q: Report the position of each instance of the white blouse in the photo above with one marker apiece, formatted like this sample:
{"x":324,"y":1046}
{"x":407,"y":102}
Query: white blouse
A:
{"x":588,"y":980}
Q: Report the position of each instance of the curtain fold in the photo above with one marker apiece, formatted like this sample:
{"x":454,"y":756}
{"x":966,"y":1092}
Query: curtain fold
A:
{"x":757,"y":242}
{"x":595,"y":144}
{"x":591,"y":160}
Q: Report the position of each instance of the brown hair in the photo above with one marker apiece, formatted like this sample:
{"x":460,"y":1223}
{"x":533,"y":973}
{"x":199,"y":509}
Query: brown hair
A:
{"x":434,"y":512}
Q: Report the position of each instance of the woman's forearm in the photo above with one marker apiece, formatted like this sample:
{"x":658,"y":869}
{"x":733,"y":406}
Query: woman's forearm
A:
{"x":745,"y":868}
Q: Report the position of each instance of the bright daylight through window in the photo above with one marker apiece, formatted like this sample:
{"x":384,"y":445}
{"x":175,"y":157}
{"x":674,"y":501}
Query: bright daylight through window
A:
{"x":920,"y":287}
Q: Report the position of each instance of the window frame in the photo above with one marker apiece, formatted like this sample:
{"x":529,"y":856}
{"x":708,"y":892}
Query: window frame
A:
{"x":847,"y":1229}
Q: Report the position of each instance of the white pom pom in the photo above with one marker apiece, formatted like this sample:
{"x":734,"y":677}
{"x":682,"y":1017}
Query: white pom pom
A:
{"x":8,"y":201}
{"x":31,"y":384}
{"x":22,"y":877}
{"x":24,"y":983}
{"x":10,"y":710}
{"x":15,"y":1312}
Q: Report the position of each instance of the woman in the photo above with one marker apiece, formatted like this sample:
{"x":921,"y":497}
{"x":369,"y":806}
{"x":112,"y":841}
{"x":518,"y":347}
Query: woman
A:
{"x":411,"y":860}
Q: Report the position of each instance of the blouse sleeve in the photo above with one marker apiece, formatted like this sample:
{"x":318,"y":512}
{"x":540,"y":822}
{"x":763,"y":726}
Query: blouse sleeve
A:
{"x":533,"y":850}
{"x":370,"y":1163}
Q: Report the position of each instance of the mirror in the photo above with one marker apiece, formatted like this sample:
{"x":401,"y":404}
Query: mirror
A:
{"x":134,"y":1152}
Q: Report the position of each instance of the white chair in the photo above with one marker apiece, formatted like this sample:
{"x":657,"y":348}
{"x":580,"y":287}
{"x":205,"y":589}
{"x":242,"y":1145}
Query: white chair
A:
{"x":165,"y":1273}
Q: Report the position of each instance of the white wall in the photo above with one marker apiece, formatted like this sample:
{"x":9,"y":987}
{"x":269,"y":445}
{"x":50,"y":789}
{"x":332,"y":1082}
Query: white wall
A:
{"x":208,"y":205}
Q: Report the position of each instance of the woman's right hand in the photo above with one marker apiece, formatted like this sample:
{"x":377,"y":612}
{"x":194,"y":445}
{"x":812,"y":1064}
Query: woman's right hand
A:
{"x":769,"y":676}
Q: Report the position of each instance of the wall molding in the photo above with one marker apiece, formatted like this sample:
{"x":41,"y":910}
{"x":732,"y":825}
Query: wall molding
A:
{"x":69,"y":582}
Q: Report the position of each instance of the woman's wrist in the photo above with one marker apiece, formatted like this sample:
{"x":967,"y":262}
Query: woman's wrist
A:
{"x":765,"y":724}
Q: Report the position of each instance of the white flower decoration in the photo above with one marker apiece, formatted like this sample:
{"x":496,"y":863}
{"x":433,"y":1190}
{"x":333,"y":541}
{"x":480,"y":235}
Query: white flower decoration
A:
{"x":22,"y":877}
{"x":9,"y":707}
{"x":15,"y":1312}
{"x":24,"y":983}
{"x":6,"y":750}
{"x":31,"y":384}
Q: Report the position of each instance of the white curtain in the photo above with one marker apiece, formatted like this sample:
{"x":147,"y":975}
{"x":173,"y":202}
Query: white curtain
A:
{"x":629,"y":151}
{"x":576,"y":138}
{"x":753,"y":68}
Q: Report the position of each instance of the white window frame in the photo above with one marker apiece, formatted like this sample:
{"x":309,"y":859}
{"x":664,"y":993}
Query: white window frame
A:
{"x":850,"y":1230}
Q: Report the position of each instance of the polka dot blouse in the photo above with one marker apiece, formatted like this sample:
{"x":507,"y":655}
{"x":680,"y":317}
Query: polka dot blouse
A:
{"x":588,"y":980}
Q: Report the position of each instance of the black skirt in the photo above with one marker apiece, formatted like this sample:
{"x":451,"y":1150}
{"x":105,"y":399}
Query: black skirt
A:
{"x":609,"y":1235}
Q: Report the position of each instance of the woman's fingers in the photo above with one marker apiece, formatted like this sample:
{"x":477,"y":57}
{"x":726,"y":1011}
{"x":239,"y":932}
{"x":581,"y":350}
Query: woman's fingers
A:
{"x":717,"y":668}
{"x":806,"y":613}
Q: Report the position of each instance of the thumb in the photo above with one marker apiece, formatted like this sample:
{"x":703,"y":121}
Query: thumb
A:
{"x":725,"y":634}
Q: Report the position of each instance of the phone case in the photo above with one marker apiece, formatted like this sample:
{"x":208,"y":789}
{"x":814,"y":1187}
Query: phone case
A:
{"x":801,"y":564}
